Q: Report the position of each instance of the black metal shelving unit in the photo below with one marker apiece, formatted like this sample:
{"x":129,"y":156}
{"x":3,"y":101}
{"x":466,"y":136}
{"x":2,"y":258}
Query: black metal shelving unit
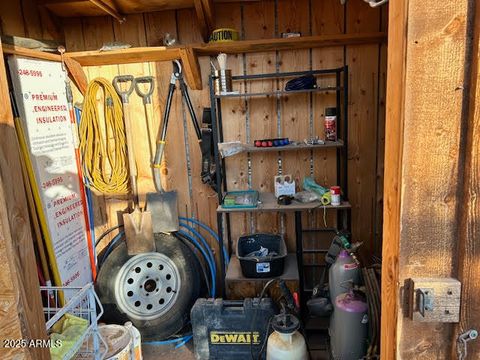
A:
{"x":341,"y":146}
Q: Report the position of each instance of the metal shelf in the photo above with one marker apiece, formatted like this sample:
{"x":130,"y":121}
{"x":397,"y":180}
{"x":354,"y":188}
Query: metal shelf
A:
{"x":279,"y":93}
{"x":268,"y":203}
{"x":292,"y":147}
{"x":268,"y":200}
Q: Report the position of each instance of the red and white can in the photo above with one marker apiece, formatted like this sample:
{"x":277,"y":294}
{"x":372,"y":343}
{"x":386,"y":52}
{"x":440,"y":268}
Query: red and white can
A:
{"x":330,"y":124}
{"x":335,"y":194}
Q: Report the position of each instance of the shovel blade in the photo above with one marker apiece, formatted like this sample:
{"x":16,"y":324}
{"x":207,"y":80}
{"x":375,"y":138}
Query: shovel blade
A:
{"x":139,"y":232}
{"x":163,"y":207}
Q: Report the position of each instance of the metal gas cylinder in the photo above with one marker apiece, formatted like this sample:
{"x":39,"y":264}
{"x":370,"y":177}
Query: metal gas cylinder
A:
{"x":344,"y":270}
{"x":349,"y":327}
{"x":286,"y":343}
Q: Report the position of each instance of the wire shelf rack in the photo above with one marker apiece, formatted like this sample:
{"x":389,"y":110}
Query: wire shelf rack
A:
{"x":82,"y":302}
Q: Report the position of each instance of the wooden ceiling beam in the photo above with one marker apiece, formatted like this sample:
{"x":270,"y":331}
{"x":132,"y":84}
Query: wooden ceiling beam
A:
{"x":209,"y":11}
{"x":107,"y":7}
{"x":205,"y":16}
{"x":112,"y":11}
{"x":202,"y":22}
{"x":191,"y":68}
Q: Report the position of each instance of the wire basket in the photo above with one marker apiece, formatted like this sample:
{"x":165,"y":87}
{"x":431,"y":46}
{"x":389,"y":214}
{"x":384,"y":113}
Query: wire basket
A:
{"x":82,"y":302}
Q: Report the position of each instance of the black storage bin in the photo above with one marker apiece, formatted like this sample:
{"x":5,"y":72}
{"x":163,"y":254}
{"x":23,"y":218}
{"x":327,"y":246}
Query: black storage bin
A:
{"x":270,"y":266}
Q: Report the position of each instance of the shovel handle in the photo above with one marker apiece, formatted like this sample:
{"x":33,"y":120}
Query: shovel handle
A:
{"x":146,"y":96}
{"x":157,"y":160}
{"x":124,"y":95}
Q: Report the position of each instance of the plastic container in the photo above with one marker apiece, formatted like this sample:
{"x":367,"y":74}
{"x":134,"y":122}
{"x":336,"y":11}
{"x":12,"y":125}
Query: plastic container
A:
{"x":223,"y":81}
{"x":286,"y":343}
{"x":349,"y":327}
{"x":136,"y":348}
{"x":343,"y":271}
{"x":230,"y":329}
{"x":119,"y":341}
{"x":261,"y":267}
{"x":240,"y":199}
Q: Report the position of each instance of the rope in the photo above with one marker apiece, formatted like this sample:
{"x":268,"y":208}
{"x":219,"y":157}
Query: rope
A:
{"x":104,"y":157}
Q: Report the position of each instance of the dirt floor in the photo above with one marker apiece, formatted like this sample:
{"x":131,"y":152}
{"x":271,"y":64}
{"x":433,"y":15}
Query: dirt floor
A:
{"x":168,"y":352}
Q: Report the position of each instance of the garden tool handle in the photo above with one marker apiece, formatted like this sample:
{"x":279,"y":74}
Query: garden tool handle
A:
{"x":132,"y":166}
{"x":124,"y":95}
{"x":146,"y":96}
{"x":157,"y":159}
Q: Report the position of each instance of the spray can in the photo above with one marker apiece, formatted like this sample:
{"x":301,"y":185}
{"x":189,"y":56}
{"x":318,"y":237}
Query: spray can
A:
{"x":335,"y":195}
{"x":330,"y":124}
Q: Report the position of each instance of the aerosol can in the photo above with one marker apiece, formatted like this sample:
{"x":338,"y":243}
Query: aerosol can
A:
{"x":343,"y":272}
{"x":286,"y":342}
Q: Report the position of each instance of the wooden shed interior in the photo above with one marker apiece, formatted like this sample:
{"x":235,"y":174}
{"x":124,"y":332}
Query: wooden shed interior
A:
{"x":333,"y":35}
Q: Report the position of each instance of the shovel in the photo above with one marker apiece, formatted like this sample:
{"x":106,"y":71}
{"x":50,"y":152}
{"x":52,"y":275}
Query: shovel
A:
{"x":138,"y":223}
{"x":162,"y":204}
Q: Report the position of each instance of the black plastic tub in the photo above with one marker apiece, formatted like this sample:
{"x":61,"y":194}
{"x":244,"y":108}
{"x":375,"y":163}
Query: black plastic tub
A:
{"x":261,"y":267}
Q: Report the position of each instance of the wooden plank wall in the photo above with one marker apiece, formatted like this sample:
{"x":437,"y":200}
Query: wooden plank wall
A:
{"x":297,"y":117}
{"x":21,"y":310}
{"x":24,"y":18}
{"x":21,"y":315}
{"x":431,"y":171}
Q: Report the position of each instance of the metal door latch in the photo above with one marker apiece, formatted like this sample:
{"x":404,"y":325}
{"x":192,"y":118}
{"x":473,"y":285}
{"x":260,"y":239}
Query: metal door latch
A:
{"x":433,"y":299}
{"x":462,"y":341}
{"x":425,"y":300}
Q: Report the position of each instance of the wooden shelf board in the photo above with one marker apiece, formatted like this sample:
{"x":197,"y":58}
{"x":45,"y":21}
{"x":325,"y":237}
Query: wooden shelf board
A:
{"x":35,"y":54}
{"x":126,"y":56}
{"x":303,"y":42}
{"x":279,"y":92}
{"x":269,"y":204}
{"x":291,"y":147}
{"x":161,"y":53}
{"x":234,"y":271}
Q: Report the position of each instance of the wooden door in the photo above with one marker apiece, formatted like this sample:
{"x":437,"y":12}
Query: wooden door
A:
{"x":432,"y":172}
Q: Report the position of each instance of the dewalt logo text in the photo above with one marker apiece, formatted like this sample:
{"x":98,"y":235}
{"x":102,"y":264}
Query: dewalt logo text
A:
{"x":234,"y":337}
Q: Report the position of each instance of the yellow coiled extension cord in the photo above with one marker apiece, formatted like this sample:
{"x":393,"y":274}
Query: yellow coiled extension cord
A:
{"x":104,"y":152}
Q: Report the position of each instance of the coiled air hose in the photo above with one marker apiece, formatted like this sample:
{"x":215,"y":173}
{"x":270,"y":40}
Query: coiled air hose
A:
{"x":104,"y":154}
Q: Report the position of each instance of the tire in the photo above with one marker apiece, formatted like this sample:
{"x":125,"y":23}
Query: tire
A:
{"x":117,"y":278}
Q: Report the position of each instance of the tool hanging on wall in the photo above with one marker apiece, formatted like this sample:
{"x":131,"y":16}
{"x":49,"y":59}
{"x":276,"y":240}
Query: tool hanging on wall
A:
{"x":138,"y":223}
{"x":209,"y":171}
{"x":165,"y":216}
{"x":104,"y":159}
{"x":162,"y":204}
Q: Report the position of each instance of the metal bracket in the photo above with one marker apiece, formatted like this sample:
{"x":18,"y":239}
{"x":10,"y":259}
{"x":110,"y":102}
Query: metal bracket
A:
{"x":433,"y":299}
{"x":425,"y":300}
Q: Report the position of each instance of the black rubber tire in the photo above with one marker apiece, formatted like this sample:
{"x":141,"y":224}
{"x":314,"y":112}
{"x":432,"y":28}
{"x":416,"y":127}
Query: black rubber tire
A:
{"x":177,"y":317}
